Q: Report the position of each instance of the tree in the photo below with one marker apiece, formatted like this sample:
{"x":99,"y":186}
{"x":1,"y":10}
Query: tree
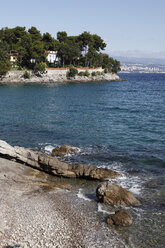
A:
{"x":82,"y":50}
{"x":90,"y":45}
{"x":4,"y":59}
{"x":38,"y":51}
{"x":68,"y":53}
{"x":62,"y":36}
{"x":35,"y":34}
{"x":84,"y":40}
{"x":49,"y":42}
{"x":13,"y":36}
{"x":115,"y":65}
{"x":98,"y":43}
{"x":112,"y":65}
{"x":24,"y":51}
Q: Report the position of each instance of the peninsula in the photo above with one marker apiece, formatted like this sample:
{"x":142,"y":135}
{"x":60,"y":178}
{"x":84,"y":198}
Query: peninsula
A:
{"x":29,"y":56}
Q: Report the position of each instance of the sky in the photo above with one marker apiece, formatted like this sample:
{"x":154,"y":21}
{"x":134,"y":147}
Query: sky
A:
{"x":132,"y":28}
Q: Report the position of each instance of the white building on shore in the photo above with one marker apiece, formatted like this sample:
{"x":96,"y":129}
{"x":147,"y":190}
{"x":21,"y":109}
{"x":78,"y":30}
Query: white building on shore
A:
{"x":52,"y":57}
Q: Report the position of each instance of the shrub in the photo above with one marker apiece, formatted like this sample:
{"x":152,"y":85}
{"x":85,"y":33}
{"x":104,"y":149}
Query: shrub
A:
{"x":26,"y":75}
{"x":81,"y":73}
{"x":4,"y":59}
{"x":105,"y":70}
{"x":72,"y":73}
{"x":98,"y":73}
{"x":39,"y":68}
{"x":86,"y":73}
{"x":93,"y":74}
{"x":102,"y":73}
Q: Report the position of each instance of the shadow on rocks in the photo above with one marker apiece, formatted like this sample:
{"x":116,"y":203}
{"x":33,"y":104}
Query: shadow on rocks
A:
{"x":10,"y":246}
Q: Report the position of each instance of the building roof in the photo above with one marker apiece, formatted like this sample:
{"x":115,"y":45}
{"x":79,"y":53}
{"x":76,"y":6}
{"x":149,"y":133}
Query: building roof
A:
{"x":52,"y":52}
{"x":13,"y":53}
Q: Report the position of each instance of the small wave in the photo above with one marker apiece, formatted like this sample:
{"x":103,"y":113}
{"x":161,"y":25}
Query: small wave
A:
{"x":77,"y":151}
{"x":100,"y":209}
{"x":82,"y":196}
{"x":136,"y":189}
{"x":49,"y":148}
{"x":41,"y":144}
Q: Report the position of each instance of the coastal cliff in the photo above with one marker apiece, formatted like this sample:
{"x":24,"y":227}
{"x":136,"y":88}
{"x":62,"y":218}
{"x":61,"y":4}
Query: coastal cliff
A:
{"x":56,"y":75}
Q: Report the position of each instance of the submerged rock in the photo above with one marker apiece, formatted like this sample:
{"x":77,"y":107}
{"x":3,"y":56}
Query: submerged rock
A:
{"x":52,"y":165}
{"x":120,"y":218}
{"x":64,"y":150}
{"x":151,"y":184}
{"x":115,"y":195}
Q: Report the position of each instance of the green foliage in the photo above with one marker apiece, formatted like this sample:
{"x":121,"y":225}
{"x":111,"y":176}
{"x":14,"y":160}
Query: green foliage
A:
{"x":62,"y":36}
{"x":93,"y":74}
{"x":72,"y":73}
{"x":86,"y":73}
{"x":110,"y":64}
{"x":35,"y":34}
{"x":68,"y":53}
{"x":98,"y":73}
{"x":82,"y":50}
{"x":26,"y":75}
{"x":4,"y":59}
{"x":81,"y":73}
{"x":39,"y":68}
{"x":105,"y":70}
{"x":49,"y":42}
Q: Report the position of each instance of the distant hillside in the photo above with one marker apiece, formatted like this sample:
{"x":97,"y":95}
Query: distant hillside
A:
{"x":147,"y":61}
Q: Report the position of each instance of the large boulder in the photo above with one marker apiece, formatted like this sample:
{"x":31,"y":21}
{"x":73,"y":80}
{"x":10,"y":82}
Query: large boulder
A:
{"x":115,"y":195}
{"x":60,"y":151}
{"x":52,"y":165}
{"x":120,"y":218}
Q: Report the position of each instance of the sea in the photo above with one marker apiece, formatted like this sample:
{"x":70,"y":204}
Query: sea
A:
{"x":116,"y":125}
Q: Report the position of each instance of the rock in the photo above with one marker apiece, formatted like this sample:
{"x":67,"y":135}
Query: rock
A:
{"x":52,"y":165}
{"x":151,"y":184}
{"x":64,"y":150}
{"x":115,"y":195}
{"x":120,"y":218}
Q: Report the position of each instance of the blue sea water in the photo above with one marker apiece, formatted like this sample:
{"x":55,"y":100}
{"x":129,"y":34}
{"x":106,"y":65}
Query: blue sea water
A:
{"x":119,"y":125}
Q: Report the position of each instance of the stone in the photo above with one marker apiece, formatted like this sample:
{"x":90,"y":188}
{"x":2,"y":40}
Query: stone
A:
{"x":151,"y":183}
{"x":115,"y":195}
{"x":120,"y":218}
{"x":60,"y":151}
{"x":53,"y":165}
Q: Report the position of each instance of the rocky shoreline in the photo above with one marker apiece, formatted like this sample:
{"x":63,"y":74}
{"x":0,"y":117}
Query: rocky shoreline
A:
{"x":54,"y":76}
{"x":52,"y":165}
{"x":36,"y":213}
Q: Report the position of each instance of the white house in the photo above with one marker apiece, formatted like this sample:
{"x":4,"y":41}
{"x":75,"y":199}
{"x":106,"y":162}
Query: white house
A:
{"x":51,"y":57}
{"x":13,"y":56}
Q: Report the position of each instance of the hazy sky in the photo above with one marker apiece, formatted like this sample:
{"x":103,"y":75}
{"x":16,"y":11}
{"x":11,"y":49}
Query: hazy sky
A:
{"x":129,"y":27}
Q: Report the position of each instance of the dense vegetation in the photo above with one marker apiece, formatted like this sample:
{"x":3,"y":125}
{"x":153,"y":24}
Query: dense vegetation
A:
{"x":83,"y":50}
{"x":4,"y":59}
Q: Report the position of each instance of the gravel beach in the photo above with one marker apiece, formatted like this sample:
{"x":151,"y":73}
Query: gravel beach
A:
{"x":36,"y":212}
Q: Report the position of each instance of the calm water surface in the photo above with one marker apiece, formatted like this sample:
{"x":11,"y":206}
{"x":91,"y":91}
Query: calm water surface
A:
{"x":119,"y":125}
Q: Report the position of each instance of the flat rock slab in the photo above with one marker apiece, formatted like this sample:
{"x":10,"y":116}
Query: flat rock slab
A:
{"x":52,"y":165}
